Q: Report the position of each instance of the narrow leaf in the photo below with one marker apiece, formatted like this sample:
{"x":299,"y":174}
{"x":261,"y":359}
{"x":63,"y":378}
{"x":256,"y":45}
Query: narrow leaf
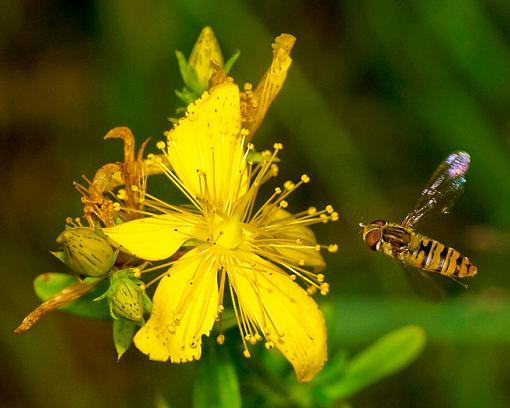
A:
{"x":386,"y":356}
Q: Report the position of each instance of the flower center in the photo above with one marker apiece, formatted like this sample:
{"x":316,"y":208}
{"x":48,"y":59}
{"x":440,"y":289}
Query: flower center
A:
{"x":228,"y":233}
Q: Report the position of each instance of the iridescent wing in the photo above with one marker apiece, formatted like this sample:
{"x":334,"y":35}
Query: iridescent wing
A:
{"x":443,"y":188}
{"x":424,"y":284}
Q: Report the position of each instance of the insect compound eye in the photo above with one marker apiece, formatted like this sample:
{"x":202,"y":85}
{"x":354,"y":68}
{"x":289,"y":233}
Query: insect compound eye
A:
{"x":372,"y":238}
{"x":379,"y":222}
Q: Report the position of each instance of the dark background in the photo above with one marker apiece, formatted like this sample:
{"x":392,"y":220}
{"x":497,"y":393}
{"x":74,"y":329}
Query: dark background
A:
{"x":379,"y":93}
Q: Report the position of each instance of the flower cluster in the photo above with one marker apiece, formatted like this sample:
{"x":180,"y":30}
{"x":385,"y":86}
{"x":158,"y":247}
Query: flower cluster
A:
{"x":219,"y":252}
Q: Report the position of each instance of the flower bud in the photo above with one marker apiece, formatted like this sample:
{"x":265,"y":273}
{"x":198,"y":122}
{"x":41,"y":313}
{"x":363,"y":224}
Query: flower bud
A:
{"x":86,"y":252}
{"x":206,"y":49}
{"x":126,"y":296}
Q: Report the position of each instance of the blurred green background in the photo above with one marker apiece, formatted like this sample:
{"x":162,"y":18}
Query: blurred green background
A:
{"x":378,"y":94}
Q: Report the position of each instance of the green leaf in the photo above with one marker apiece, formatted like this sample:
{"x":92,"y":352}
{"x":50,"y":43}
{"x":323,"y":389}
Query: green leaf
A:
{"x":123,"y":332}
{"x":231,"y":61}
{"x":50,"y":284}
{"x":216,"y":384}
{"x":386,"y":356}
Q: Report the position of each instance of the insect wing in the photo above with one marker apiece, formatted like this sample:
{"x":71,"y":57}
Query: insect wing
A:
{"x":424,"y":284}
{"x":443,"y":188}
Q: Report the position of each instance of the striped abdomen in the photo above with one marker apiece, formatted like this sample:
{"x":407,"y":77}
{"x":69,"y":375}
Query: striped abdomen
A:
{"x":430,"y":255}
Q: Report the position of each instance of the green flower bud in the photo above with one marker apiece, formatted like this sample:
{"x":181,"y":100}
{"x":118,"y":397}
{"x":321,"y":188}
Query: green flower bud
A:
{"x":86,"y":252}
{"x":197,"y":70}
{"x":126,"y":296}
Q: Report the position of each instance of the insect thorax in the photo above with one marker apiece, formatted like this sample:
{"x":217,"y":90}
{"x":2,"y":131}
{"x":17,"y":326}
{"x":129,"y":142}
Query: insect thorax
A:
{"x":397,"y":240}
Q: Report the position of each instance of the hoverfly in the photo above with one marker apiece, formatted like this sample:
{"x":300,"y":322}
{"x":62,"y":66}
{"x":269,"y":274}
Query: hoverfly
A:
{"x":410,"y":248}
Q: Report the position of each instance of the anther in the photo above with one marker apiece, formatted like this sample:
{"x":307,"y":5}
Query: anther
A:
{"x":137,"y":272}
{"x":161,"y":145}
{"x":305,"y":179}
{"x":121,"y":194}
{"x":288,"y":185}
{"x":246,"y":353}
{"x":284,"y":204}
{"x":332,"y":248}
{"x":320,"y":277}
{"x":220,"y":339}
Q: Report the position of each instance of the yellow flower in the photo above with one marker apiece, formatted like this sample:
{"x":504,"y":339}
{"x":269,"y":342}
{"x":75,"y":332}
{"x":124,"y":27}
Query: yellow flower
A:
{"x":205,"y":68}
{"x":252,"y":256}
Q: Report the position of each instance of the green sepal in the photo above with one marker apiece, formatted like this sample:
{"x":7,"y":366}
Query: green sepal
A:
{"x":147,"y":304}
{"x":50,"y":284}
{"x":187,"y":97}
{"x":231,"y":61}
{"x":216,"y":382}
{"x":188,"y":74}
{"x":123,"y":332}
{"x":60,"y":255}
{"x":389,"y":354}
{"x":183,"y":65}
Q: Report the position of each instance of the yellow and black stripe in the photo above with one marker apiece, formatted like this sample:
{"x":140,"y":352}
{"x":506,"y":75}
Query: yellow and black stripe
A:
{"x":430,"y":255}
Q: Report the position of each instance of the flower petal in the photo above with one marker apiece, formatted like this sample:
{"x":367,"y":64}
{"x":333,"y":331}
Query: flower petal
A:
{"x":152,"y":238}
{"x":283,"y":310}
{"x":256,"y":104}
{"x":206,"y":150}
{"x":307,"y":257}
{"x":185,"y":306}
